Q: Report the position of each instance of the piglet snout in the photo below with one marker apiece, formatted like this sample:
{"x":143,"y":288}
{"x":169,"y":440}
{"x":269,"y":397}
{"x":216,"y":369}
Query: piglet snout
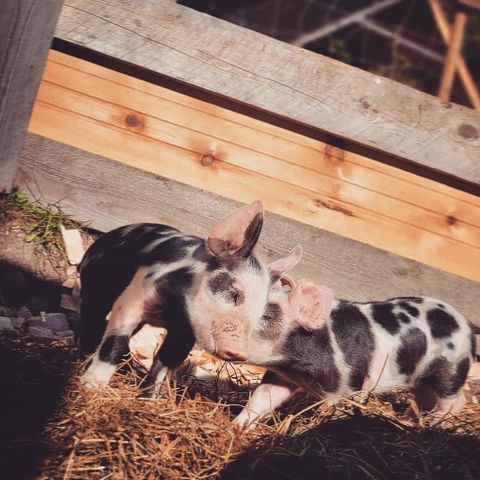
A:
{"x":231,"y":355}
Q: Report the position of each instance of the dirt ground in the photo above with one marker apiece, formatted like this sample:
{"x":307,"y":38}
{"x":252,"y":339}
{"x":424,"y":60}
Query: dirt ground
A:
{"x":52,"y":428}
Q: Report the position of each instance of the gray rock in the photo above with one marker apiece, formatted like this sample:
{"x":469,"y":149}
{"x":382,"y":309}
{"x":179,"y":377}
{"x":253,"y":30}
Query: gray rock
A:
{"x":24,"y":312}
{"x":6,"y":324}
{"x":40,"y":332}
{"x":7,"y":312}
{"x":35,"y":322}
{"x":64,"y":333}
{"x":18,"y":322}
{"x":56,"y":322}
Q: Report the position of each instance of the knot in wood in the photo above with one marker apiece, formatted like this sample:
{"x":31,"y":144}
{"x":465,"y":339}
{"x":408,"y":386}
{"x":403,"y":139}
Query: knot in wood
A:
{"x":467,"y":131}
{"x":207,"y":159}
{"x":334,"y":154}
{"x":364,"y":104}
{"x":132,"y":120}
{"x":451,"y":220}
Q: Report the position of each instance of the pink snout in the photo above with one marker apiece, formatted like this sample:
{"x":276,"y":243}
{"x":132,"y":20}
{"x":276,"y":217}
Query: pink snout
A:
{"x":231,"y":354}
{"x":231,"y":342}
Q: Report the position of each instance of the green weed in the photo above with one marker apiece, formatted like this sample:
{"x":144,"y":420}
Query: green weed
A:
{"x":40,"y":220}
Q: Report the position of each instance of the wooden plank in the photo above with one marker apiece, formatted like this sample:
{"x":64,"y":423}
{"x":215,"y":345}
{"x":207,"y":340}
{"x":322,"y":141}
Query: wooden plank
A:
{"x":290,"y":82}
{"x":167,"y":133}
{"x":26,"y":31}
{"x":111,"y":194}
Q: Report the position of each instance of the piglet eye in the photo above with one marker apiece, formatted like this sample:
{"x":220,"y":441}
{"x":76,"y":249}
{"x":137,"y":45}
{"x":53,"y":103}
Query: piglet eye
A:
{"x":234,"y":294}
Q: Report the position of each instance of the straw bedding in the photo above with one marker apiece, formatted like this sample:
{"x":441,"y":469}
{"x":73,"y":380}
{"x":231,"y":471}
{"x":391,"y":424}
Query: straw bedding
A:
{"x":51,"y":428}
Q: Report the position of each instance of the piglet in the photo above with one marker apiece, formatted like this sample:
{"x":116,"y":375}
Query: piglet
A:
{"x":210,"y":291}
{"x":331,"y":348}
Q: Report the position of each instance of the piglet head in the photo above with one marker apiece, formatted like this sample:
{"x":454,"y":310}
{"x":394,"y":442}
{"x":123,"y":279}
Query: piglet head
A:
{"x":232,"y":293}
{"x":233,"y":290}
{"x":291,"y":304}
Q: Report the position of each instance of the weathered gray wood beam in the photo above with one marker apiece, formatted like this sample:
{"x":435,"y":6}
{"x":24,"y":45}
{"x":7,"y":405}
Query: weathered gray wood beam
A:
{"x":288,"y":81}
{"x":110,"y":194}
{"x":26,"y":32}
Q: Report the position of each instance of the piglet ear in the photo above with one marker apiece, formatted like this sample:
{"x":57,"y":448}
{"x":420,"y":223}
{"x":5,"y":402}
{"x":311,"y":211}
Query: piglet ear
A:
{"x":286,"y":281}
{"x":312,"y":303}
{"x":238,"y":232}
{"x":282,"y":265}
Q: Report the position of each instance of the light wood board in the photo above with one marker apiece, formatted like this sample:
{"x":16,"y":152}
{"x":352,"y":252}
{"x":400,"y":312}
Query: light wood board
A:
{"x":209,"y":147}
{"x":110,"y":194}
{"x":285,"y":80}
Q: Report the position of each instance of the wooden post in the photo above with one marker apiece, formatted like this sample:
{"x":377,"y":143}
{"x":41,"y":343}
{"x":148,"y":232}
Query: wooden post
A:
{"x":26,"y":31}
{"x":453,"y":55}
{"x":465,"y":75}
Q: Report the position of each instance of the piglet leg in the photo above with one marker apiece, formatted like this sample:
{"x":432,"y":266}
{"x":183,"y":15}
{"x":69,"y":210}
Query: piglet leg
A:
{"x":175,"y":348}
{"x":172,"y":353}
{"x":126,"y":314}
{"x":269,"y":395}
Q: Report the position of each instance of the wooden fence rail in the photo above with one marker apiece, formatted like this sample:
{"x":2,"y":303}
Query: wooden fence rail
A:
{"x":285,"y":80}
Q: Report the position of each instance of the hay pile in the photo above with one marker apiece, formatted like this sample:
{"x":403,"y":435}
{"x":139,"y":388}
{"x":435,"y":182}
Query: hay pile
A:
{"x":51,"y":428}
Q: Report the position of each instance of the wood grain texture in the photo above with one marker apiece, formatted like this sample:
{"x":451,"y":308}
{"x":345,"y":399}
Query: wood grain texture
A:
{"x":212,"y":148}
{"x":291,"y":82}
{"x":110,"y":194}
{"x":26,"y":32}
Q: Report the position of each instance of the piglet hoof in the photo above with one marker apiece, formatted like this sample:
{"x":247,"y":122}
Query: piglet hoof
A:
{"x":91,"y":382}
{"x":244,"y":423}
{"x":150,"y":393}
{"x":451,"y":405}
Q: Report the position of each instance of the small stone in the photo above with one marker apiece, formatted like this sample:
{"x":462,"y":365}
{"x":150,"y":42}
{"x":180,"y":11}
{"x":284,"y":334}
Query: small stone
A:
{"x":40,"y":332}
{"x":35,"y":321}
{"x":68,"y":302}
{"x":73,"y":245}
{"x":18,"y":322}
{"x":24,"y":312}
{"x":64,"y":333}
{"x":56,"y":321}
{"x":7,"y":312}
{"x":6,"y":324}
{"x":71,"y":270}
{"x":69,"y":282}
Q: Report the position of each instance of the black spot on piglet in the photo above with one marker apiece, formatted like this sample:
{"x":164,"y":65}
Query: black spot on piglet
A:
{"x":355,"y":338}
{"x":403,"y":318}
{"x":383,"y":315}
{"x":412,"y":350}
{"x":221,"y":282}
{"x":445,"y":378}
{"x":310,"y":355}
{"x":442,"y":324}
{"x":113,"y":349}
{"x":410,"y":309}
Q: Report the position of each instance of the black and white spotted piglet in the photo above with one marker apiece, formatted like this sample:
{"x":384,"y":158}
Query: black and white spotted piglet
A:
{"x":211,"y":291}
{"x":332,"y":348}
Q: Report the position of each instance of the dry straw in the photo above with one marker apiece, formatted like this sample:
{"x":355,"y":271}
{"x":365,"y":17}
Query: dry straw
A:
{"x":53,"y":429}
